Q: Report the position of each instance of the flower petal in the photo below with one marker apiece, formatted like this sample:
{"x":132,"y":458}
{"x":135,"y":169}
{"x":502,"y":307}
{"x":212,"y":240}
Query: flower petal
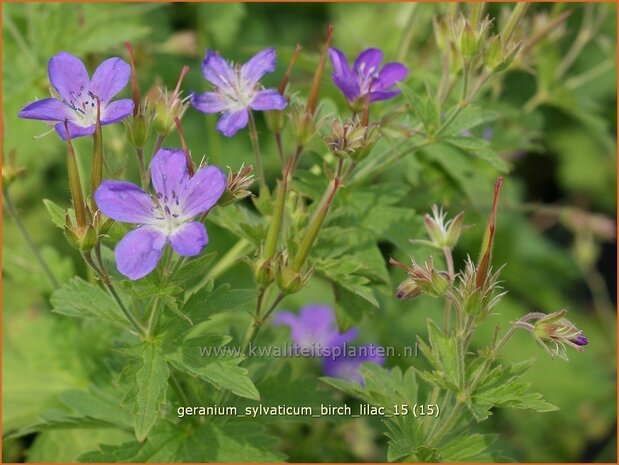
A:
{"x":209,"y":102}
{"x":268,"y":99}
{"x":110,"y":78}
{"x":218,"y":71}
{"x":116,"y":110}
{"x":68,"y":75}
{"x":124,"y":201}
{"x":74,"y":130}
{"x":383,"y":94}
{"x":368,"y":62}
{"x":347,"y":367}
{"x":169,"y":173}
{"x":339,"y":62}
{"x":47,"y":109}
{"x":202,"y":191}
{"x":138,"y":253}
{"x":189,"y":239}
{"x":391,"y":74}
{"x":348,"y":85}
{"x":261,"y":63}
{"x":232,"y":121}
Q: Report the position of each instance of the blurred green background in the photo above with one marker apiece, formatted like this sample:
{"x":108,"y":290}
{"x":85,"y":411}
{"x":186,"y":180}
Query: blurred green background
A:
{"x":562,"y":150}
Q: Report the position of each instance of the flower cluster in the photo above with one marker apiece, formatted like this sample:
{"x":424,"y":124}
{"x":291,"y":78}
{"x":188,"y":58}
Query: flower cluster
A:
{"x":315,"y":329}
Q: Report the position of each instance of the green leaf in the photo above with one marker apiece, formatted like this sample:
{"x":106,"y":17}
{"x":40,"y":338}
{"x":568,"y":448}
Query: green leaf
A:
{"x":148,"y":389}
{"x":78,"y":298}
{"x":469,"y":118}
{"x":194,"y":269}
{"x":210,"y":359}
{"x":467,"y":448}
{"x":231,"y":442}
{"x":442,"y":354}
{"x":479,"y":148}
{"x":56,"y":212}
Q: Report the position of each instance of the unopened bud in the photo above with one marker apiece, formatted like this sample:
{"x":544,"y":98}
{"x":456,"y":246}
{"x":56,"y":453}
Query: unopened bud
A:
{"x":407,"y":290}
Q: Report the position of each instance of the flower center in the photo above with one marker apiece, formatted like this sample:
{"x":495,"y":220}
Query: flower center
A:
{"x":84,"y":106}
{"x":367,"y":77}
{"x":238,"y":94}
{"x":168,"y":213}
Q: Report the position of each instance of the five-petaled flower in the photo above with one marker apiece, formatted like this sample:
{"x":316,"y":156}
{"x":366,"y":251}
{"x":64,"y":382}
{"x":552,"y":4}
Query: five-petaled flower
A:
{"x":237,"y":90}
{"x":166,"y":217}
{"x":366,"y":76}
{"x":315,"y":330}
{"x":77,"y":95}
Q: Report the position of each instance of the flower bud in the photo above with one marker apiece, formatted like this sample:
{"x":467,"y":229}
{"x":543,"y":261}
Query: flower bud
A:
{"x":442,"y":33}
{"x":469,"y":44}
{"x":138,"y":130}
{"x":407,"y":290}
{"x":288,"y":280}
{"x":167,"y":106}
{"x":351,"y":139}
{"x":263,"y":272}
{"x":443,"y":234}
{"x":237,"y":187}
{"x":557,"y":332}
{"x":83,"y":239}
{"x":11,"y":170}
{"x":426,"y":278}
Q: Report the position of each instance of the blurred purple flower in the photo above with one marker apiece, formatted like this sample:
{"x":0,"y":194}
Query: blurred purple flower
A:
{"x":346,"y":366}
{"x":166,"y":218}
{"x":366,"y":76}
{"x":315,"y":328}
{"x":237,"y":90}
{"x":77,"y":94}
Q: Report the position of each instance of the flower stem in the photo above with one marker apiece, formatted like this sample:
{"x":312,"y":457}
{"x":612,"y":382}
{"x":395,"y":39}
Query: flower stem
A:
{"x":142,"y":166}
{"x":12,"y":211}
{"x":253,"y":135}
{"x":106,"y":279}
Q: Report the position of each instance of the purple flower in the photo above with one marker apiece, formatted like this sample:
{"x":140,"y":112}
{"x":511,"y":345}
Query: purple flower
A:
{"x":237,"y":90}
{"x":77,"y":95}
{"x":366,"y":76}
{"x":164,"y":218}
{"x":580,"y":340}
{"x":347,"y":365}
{"x":315,"y":328}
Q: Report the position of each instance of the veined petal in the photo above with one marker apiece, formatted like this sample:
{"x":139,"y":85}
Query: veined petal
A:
{"x":368,"y":62}
{"x":169,"y":173}
{"x":74,"y":129}
{"x":110,"y":78}
{"x":189,"y":239}
{"x":383,"y":94}
{"x":391,"y":74}
{"x":232,"y":121}
{"x":116,"y":110}
{"x":138,"y":253}
{"x":261,"y":63}
{"x":339,"y":62}
{"x":68,"y":75}
{"x":202,"y":191}
{"x":268,"y":99}
{"x":47,"y":109}
{"x":209,"y":102}
{"x":218,"y":71}
{"x":124,"y":201}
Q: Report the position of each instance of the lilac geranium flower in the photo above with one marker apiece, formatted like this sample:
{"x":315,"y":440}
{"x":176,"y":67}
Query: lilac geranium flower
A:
{"x":315,"y":328}
{"x":237,"y":90}
{"x":168,"y":217}
{"x":346,"y":366}
{"x":77,"y":94}
{"x":366,"y":76}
